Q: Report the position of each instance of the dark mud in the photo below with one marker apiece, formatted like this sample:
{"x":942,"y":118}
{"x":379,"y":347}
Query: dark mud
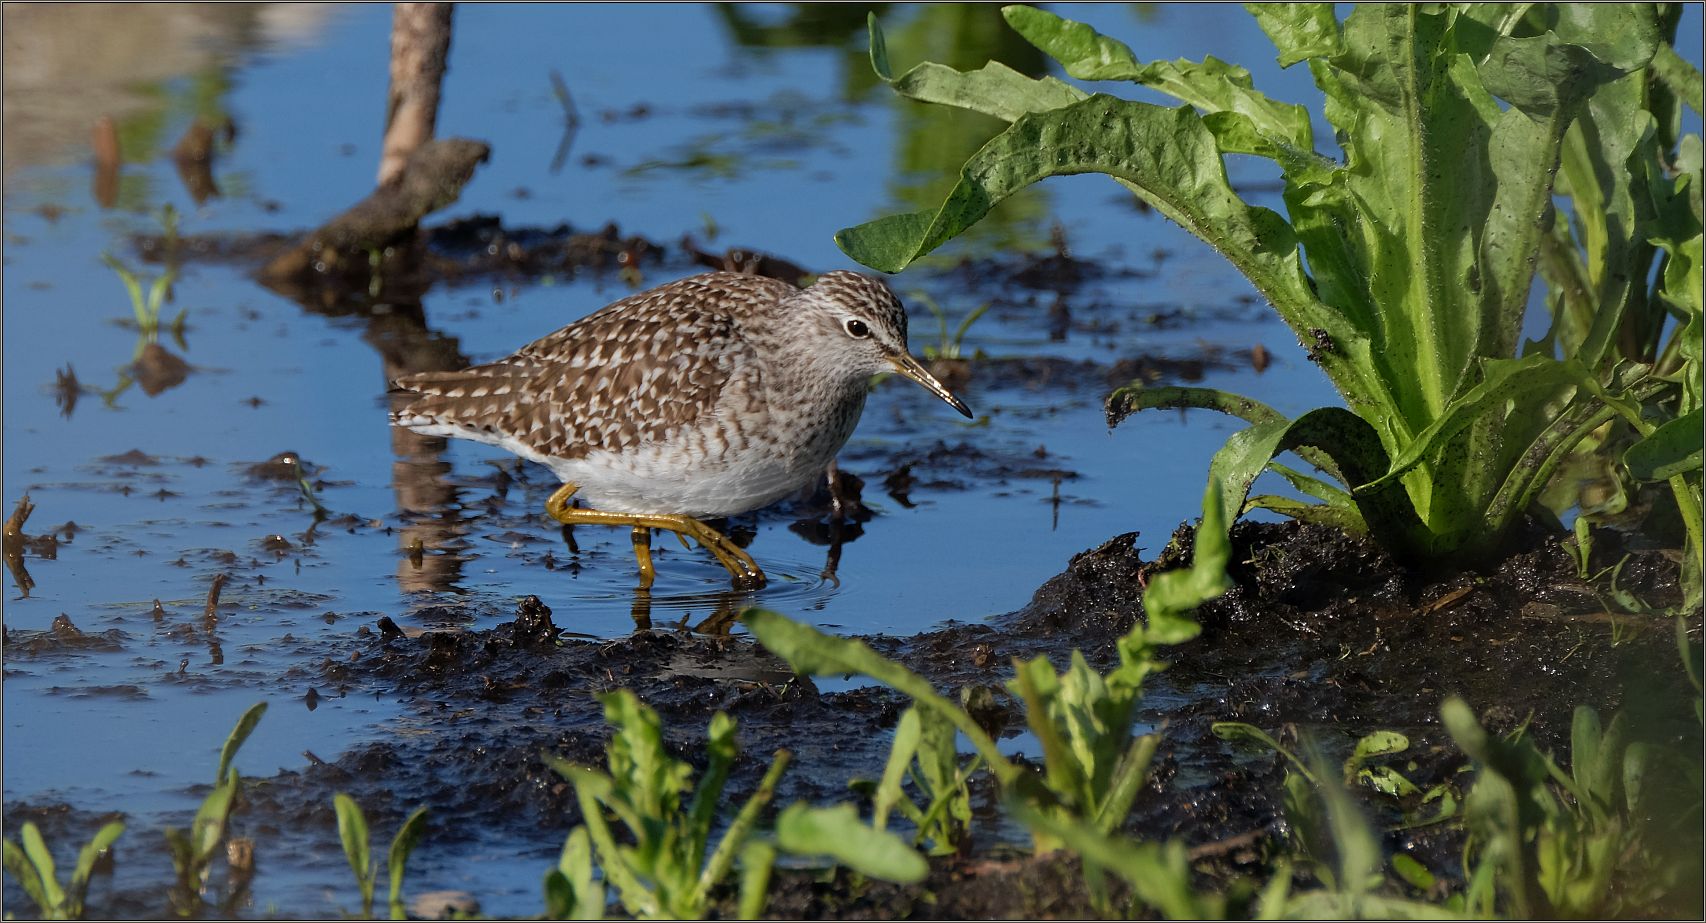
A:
{"x":1322,"y":636}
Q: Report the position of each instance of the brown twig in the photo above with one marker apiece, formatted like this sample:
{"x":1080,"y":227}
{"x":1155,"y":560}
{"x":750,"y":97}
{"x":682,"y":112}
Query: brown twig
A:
{"x":210,"y":617}
{"x":20,"y":515}
{"x":1231,"y":844}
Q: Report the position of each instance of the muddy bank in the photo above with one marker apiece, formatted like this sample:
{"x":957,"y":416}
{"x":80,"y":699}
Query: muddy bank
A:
{"x":1321,"y":635}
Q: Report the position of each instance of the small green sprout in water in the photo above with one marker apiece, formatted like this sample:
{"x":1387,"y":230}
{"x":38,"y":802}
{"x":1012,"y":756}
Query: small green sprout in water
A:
{"x":352,"y":830}
{"x":948,"y":346}
{"x":146,"y":308}
{"x":193,"y":851}
{"x":31,"y":863}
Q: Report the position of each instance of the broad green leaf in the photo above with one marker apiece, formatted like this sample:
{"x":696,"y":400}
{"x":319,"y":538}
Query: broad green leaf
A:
{"x":994,"y":89}
{"x":838,"y":833}
{"x":1353,"y":445}
{"x":1298,"y":30}
{"x":1672,"y":449}
{"x":1379,"y":743}
{"x":1523,"y":149}
{"x":1212,"y":85}
{"x":208,"y":828}
{"x":90,"y":853}
{"x":352,"y":830}
{"x":1415,"y":874}
{"x":1164,"y":155}
{"x":1085,"y":53}
{"x":245,"y":726}
{"x":1623,"y":35}
{"x":52,"y":898}
{"x":1679,"y":76}
{"x":1514,"y":382}
{"x":574,"y":865}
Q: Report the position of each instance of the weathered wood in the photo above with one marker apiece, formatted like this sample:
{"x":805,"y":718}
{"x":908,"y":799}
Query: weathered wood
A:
{"x":420,"y":45}
{"x":432,"y":178}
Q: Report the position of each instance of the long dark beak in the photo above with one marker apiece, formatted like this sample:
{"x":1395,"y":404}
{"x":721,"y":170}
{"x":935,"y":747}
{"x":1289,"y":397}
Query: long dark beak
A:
{"x":908,"y":366}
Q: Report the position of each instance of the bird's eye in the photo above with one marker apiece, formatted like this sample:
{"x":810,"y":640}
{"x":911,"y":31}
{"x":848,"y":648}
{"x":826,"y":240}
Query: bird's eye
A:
{"x":856,"y":328}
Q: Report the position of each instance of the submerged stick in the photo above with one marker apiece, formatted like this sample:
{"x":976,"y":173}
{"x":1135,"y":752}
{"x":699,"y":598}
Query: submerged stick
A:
{"x":210,"y":617}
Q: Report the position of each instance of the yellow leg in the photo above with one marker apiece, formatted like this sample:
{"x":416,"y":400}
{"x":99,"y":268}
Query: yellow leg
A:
{"x":643,"y":554}
{"x":743,"y":570}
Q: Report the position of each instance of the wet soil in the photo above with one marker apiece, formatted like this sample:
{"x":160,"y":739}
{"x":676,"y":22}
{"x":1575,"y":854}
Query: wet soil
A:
{"x":1322,"y":635}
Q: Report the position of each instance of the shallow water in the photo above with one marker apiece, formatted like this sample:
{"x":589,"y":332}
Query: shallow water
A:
{"x":771,"y":148}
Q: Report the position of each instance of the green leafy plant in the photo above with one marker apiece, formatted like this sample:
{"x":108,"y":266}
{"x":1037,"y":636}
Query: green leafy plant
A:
{"x":1332,"y":838}
{"x":352,"y":831}
{"x":145,"y":309}
{"x":193,"y":851}
{"x":1363,"y":767}
{"x":670,"y":869}
{"x":924,"y":751}
{"x":1619,"y":830}
{"x":31,"y":863}
{"x":1406,"y":267}
{"x":1093,"y":763}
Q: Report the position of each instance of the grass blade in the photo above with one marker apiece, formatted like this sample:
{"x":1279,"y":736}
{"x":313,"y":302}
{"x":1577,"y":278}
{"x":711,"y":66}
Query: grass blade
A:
{"x":402,"y":845}
{"x":245,"y":726}
{"x":352,"y":830}
{"x":739,"y":828}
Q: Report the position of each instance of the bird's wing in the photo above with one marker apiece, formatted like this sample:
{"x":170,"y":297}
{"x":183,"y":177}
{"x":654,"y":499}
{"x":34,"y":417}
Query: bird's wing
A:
{"x":629,"y":374}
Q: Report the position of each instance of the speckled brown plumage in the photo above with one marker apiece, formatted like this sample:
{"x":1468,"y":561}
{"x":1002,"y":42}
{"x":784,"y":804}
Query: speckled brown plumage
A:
{"x":632,"y":372}
{"x":708,"y":396}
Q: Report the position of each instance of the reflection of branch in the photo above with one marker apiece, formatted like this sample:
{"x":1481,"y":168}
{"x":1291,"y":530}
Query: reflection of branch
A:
{"x":105,"y":143}
{"x":571,"y":121}
{"x":14,"y":545}
{"x":194,"y":159}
